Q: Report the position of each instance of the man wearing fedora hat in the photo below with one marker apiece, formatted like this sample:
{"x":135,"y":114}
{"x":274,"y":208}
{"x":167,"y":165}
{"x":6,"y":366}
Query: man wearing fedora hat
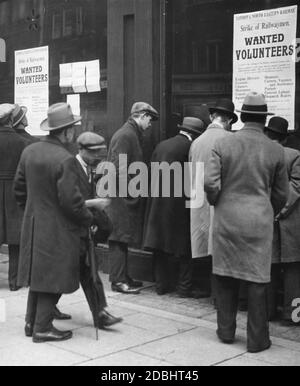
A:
{"x":127,"y":213}
{"x":247,"y":182}
{"x":167,"y":222}
{"x":222,"y":117}
{"x":47,"y":188}
{"x":286,"y":243}
{"x":20,"y":123}
{"x":11,"y":147}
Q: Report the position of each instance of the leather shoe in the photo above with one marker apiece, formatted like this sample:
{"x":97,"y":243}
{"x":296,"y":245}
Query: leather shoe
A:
{"x":255,"y":351}
{"x":225,"y":340}
{"x":195,"y":293}
{"x":14,"y":287}
{"x":60,"y":316}
{"x":28,"y":329}
{"x":134,"y":283}
{"x":107,"y":320}
{"x":53,"y":335}
{"x":124,"y":288}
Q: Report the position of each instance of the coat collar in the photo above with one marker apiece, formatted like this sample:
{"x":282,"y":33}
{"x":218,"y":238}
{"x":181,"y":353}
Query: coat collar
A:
{"x":215,"y":125}
{"x":254,"y":126}
{"x":54,"y":141}
{"x":140,"y":133}
{"x":6,"y":129}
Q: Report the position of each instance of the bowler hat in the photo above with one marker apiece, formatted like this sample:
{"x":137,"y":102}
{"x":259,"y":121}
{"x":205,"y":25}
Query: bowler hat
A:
{"x":198,"y":111}
{"x":278,"y":125}
{"x":6,"y":109}
{"x":90,"y":141}
{"x":60,"y":115}
{"x":142,"y":107}
{"x":255,"y":103}
{"x":192,"y":125}
{"x":18,"y":114}
{"x":225,"y":106}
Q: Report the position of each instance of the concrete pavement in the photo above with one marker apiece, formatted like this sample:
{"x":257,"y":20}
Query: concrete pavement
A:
{"x":157,"y":331}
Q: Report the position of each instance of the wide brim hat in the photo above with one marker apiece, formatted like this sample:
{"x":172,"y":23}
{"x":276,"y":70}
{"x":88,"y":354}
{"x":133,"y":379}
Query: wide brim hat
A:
{"x":18,"y":114}
{"x":192,"y":125}
{"x":6,"y":109}
{"x":225,"y":106}
{"x":142,"y":107}
{"x":255,"y":103}
{"x":278,"y":125}
{"x":60,"y":115}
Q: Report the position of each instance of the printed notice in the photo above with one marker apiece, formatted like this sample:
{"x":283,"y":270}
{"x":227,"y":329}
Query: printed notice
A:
{"x":32,"y":85}
{"x":264,"y":59}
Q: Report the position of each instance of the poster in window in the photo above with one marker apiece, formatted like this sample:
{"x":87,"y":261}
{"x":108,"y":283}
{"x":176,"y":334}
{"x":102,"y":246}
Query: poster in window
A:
{"x":32,"y":85}
{"x":264,"y":59}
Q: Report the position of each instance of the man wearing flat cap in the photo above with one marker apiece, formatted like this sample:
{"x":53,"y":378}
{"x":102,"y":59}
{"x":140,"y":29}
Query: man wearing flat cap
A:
{"x":11,"y":148}
{"x":222,"y":116}
{"x":47,"y":188}
{"x":91,"y":147}
{"x":247,"y":183}
{"x":127,"y":213}
{"x":286,"y":242}
{"x":167,"y":222}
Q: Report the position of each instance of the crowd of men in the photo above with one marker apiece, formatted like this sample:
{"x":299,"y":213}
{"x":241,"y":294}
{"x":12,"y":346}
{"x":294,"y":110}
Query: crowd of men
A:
{"x":246,"y":226}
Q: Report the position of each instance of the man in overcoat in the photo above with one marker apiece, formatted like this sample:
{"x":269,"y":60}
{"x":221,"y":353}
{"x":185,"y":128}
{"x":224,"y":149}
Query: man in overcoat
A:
{"x":167,"y":222}
{"x":11,"y":215}
{"x":286,"y":243}
{"x":90,"y":147}
{"x":247,"y":183}
{"x":20,"y":123}
{"x":126,"y":212}
{"x":47,"y":187}
{"x":222,"y":118}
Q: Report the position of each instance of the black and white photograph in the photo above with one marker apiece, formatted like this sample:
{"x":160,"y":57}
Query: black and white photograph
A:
{"x":149,"y":186}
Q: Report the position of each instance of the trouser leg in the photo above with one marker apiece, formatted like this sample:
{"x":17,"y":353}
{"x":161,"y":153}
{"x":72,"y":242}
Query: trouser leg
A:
{"x":13,"y":254}
{"x":32,"y":300}
{"x":291,"y":280}
{"x":46,"y":303}
{"x":118,"y":253}
{"x":185,"y":277}
{"x":161,"y":271}
{"x":258,"y":325}
{"x":94,"y":292}
{"x":227,"y":294}
{"x":272,"y":291}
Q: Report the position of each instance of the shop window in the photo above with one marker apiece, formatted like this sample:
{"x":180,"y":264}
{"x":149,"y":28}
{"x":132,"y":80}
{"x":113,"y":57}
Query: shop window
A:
{"x":67,"y":22}
{"x":56,"y":25}
{"x":4,"y":12}
{"x":79,"y":21}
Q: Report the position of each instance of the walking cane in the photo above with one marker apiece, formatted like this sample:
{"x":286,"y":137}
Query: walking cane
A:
{"x":94,"y":272}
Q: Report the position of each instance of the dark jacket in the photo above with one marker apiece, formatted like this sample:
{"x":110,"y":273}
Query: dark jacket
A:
{"x":167,"y":222}
{"x":47,"y":186}
{"x":29,"y":138}
{"x":126,"y":213}
{"x":11,"y":215}
{"x":247,"y":183}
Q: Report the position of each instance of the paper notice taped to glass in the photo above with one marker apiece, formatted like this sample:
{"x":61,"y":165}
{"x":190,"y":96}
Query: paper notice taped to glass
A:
{"x":93,"y":76}
{"x":78,"y":77}
{"x":65,"y":75}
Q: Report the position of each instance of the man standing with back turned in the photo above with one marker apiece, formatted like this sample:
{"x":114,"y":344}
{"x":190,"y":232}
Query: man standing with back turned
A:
{"x":247,"y":183}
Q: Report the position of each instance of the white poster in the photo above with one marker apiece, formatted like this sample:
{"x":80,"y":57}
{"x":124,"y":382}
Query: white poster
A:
{"x":264,"y":59}
{"x":93,"y":76}
{"x":74,"y":101}
{"x":78,"y":77}
{"x":32,"y":85}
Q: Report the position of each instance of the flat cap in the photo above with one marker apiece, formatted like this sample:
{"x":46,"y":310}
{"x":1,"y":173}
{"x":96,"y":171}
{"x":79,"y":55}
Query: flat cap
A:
{"x":90,"y":141}
{"x":6,"y":109}
{"x":142,"y":107}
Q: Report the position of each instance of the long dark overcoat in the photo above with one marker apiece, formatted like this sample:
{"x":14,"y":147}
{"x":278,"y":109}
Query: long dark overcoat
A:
{"x":286,"y":243}
{"x":47,"y":186}
{"x":247,"y":182}
{"x":167,"y":222}
{"x":11,"y":215}
{"x":126,"y":213}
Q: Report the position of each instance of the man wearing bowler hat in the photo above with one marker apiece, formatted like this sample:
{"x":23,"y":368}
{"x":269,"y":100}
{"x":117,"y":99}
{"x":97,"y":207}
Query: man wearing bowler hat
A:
{"x":222,"y":116}
{"x":127,"y":213}
{"x":11,"y":147}
{"x":247,"y":183}
{"x":286,"y":242}
{"x":47,"y":187}
{"x":20,"y":123}
{"x":167,"y":223}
